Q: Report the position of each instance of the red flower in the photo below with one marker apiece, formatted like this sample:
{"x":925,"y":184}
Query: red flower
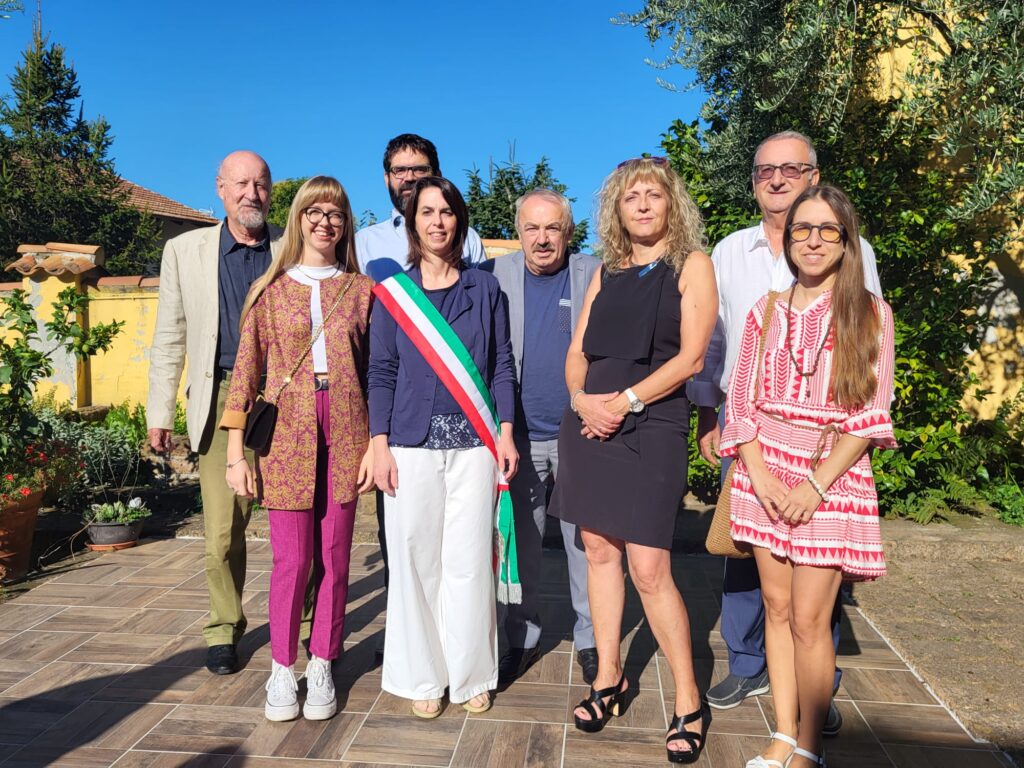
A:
{"x":9,"y":478}
{"x":25,"y":492}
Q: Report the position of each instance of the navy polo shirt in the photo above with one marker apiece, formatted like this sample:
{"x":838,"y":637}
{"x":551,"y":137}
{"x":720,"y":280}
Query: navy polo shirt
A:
{"x":238,"y":267}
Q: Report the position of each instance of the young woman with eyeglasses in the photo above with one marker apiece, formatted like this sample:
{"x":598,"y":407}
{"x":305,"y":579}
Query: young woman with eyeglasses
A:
{"x":304,"y":325}
{"x":802,"y":412}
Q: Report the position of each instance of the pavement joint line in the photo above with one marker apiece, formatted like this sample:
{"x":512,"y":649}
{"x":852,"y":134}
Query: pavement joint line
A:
{"x":921,"y":680}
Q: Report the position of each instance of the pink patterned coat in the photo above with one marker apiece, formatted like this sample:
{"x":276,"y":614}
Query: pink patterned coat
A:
{"x":275,"y":333}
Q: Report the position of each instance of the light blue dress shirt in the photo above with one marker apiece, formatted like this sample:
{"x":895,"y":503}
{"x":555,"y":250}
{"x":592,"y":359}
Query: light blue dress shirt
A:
{"x":383,"y":249}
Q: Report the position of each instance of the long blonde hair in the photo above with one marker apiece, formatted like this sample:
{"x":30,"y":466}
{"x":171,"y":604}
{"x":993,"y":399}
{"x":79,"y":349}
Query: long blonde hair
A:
{"x":685,"y":226}
{"x":318,"y":189}
{"x":855,"y":320}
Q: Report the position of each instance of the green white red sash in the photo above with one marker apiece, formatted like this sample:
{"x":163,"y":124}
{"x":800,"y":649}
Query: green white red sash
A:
{"x":454,"y":366}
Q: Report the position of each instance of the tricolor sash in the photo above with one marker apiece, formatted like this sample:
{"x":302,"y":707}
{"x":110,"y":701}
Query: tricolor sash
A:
{"x":444,"y":351}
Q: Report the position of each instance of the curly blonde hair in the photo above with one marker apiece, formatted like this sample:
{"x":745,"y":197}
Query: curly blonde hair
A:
{"x":685,"y":226}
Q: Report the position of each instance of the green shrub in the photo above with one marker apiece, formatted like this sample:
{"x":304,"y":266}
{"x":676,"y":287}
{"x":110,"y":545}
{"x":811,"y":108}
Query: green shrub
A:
{"x":117,"y":512}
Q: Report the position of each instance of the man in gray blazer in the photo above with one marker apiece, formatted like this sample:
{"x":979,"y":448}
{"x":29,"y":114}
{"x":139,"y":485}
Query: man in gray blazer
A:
{"x":204,"y":278}
{"x":545,"y":286}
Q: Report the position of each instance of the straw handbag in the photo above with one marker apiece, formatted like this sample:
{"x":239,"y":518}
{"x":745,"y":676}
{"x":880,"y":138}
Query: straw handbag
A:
{"x":720,"y":541}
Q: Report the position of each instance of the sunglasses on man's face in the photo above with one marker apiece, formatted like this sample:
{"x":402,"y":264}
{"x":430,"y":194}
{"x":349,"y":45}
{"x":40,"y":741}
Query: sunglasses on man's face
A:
{"x":765,"y":171}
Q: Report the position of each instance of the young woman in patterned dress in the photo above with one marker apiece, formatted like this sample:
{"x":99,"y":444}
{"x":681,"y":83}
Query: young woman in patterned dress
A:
{"x":801,"y":421}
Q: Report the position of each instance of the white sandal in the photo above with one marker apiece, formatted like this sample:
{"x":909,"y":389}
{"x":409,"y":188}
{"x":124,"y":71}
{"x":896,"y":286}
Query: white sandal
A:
{"x":764,"y":762}
{"x":818,"y":761}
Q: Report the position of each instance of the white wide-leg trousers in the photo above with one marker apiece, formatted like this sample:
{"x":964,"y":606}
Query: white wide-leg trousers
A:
{"x":441,"y":622}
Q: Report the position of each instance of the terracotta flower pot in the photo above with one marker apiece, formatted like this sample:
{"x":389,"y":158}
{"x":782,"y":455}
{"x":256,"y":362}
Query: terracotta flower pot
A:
{"x":17,"y":526}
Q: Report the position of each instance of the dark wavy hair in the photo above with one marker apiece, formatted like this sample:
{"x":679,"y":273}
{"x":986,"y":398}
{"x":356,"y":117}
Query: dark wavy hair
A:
{"x":453,"y":197}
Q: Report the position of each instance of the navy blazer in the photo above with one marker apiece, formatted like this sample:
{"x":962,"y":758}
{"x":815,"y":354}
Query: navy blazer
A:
{"x":402,"y":383}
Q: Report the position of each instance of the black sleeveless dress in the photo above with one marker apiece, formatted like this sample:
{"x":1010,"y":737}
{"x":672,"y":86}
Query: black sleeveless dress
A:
{"x":630,"y":486}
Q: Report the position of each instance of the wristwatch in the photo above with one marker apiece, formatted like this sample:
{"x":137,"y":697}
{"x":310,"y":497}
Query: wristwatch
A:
{"x":636,"y":405}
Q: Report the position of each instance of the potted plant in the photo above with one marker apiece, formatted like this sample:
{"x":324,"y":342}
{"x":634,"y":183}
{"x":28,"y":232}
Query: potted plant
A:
{"x":116,"y":525}
{"x":26,"y":442}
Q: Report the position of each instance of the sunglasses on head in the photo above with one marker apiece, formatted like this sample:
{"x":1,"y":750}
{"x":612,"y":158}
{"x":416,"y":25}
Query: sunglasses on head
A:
{"x":657,"y":160}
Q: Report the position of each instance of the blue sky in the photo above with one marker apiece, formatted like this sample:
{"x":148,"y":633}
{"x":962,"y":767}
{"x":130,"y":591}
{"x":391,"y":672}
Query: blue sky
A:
{"x":319,"y":87}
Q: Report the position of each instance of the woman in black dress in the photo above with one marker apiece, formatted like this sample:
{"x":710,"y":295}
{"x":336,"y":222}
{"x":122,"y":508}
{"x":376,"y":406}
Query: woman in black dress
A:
{"x":646,"y":323}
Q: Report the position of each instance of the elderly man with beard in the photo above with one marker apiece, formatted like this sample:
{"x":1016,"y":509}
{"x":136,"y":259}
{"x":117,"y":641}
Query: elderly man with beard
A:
{"x":544,"y":285}
{"x":383,"y":249}
{"x":204,"y":278}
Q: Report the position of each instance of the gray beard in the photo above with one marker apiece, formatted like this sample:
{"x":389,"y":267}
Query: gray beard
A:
{"x":251,"y":218}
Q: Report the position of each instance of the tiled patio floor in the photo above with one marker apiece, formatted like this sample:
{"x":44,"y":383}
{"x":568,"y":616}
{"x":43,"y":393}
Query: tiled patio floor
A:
{"x":103,"y":665}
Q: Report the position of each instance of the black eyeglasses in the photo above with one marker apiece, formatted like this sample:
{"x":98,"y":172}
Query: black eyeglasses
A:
{"x":765,"y":171}
{"x":829,"y":233}
{"x":315,"y":216}
{"x":403,"y":171}
{"x":657,"y":160}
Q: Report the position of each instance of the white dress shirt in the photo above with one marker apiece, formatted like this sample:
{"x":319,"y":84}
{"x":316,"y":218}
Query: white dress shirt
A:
{"x":746,"y":269}
{"x":383,"y":249}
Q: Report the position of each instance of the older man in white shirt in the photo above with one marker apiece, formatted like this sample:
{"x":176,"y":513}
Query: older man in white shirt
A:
{"x":748,"y":264}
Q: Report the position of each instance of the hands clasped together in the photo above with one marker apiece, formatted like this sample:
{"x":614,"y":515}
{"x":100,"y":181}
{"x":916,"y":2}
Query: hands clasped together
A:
{"x":600,"y":420}
{"x":794,"y":505}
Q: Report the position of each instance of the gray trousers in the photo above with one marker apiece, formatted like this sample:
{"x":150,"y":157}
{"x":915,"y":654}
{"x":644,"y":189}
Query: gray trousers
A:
{"x":538,"y":460}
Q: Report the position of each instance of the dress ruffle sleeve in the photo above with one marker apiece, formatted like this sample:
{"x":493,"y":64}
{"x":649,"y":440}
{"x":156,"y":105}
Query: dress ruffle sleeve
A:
{"x":740,"y":427}
{"x":873,"y":421}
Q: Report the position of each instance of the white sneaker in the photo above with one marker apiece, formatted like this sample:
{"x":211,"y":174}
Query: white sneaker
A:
{"x":321,"y":702}
{"x":282,"y":699}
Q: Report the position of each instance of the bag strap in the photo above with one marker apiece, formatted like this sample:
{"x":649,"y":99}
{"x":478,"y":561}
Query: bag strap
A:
{"x":766,"y":321}
{"x":312,"y":339}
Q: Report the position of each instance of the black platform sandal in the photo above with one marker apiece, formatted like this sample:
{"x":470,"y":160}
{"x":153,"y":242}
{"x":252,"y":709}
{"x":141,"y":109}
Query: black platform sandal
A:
{"x":695,"y":740}
{"x":599,"y":711}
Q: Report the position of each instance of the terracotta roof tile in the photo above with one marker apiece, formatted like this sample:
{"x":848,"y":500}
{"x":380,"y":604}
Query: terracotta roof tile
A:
{"x":158,"y":205}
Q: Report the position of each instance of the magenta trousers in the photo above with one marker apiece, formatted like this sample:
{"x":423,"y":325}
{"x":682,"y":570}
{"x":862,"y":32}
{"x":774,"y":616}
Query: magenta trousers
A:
{"x":320,"y":537}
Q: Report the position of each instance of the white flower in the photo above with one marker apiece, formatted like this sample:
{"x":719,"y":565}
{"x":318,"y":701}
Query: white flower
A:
{"x":135,"y":503}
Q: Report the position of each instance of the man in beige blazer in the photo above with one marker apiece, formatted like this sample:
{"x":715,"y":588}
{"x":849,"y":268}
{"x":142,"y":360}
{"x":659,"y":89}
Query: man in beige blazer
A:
{"x":204,"y":277}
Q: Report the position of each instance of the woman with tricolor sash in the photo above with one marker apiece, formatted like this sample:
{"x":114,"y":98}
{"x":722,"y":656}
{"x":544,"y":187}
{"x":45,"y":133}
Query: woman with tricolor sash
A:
{"x":442,"y":400}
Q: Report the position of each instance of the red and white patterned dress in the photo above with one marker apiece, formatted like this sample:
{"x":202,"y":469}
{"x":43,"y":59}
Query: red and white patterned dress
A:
{"x":844,"y":531}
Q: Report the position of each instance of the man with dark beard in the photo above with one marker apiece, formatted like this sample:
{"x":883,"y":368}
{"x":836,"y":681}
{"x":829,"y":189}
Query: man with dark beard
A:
{"x":204,"y":278}
{"x":383,"y":249}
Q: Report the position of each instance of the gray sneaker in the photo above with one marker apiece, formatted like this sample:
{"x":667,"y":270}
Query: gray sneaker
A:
{"x":833,"y":721}
{"x":282,"y":701}
{"x":734,"y":689}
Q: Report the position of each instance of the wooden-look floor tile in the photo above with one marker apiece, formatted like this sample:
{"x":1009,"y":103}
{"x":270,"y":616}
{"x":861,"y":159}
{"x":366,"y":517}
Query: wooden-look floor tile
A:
{"x":95,"y":572}
{"x":487,"y":744}
{"x":120,"y":648}
{"x":158,"y":577}
{"x":389,"y":704}
{"x":914,"y":725}
{"x":140,"y":759}
{"x":620,"y":747}
{"x":76,"y":619}
{"x":184,"y":651}
{"x":17,"y":615}
{"x":153,"y":621}
{"x":337,"y":736}
{"x":302,"y":739}
{"x":34,"y":756}
{"x":67,"y":682}
{"x":937,"y":757}
{"x":15,"y":670}
{"x":529,"y":702}
{"x":98,"y":595}
{"x":868,"y":653}
{"x":214,"y":730}
{"x":257,"y":580}
{"x":42,"y":646}
{"x":245,"y":688}
{"x":250,"y":761}
{"x":182,"y":600}
{"x":186,"y":559}
{"x":552,"y":668}
{"x":23,"y":719}
{"x":884,"y":685}
{"x":409,"y":739}
{"x":163,"y":684}
{"x":111,"y":726}
{"x":745,"y":720}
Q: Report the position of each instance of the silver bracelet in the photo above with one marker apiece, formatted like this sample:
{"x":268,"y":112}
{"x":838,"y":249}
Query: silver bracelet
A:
{"x":230,"y":464}
{"x":817,"y":486}
{"x":572,"y":400}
